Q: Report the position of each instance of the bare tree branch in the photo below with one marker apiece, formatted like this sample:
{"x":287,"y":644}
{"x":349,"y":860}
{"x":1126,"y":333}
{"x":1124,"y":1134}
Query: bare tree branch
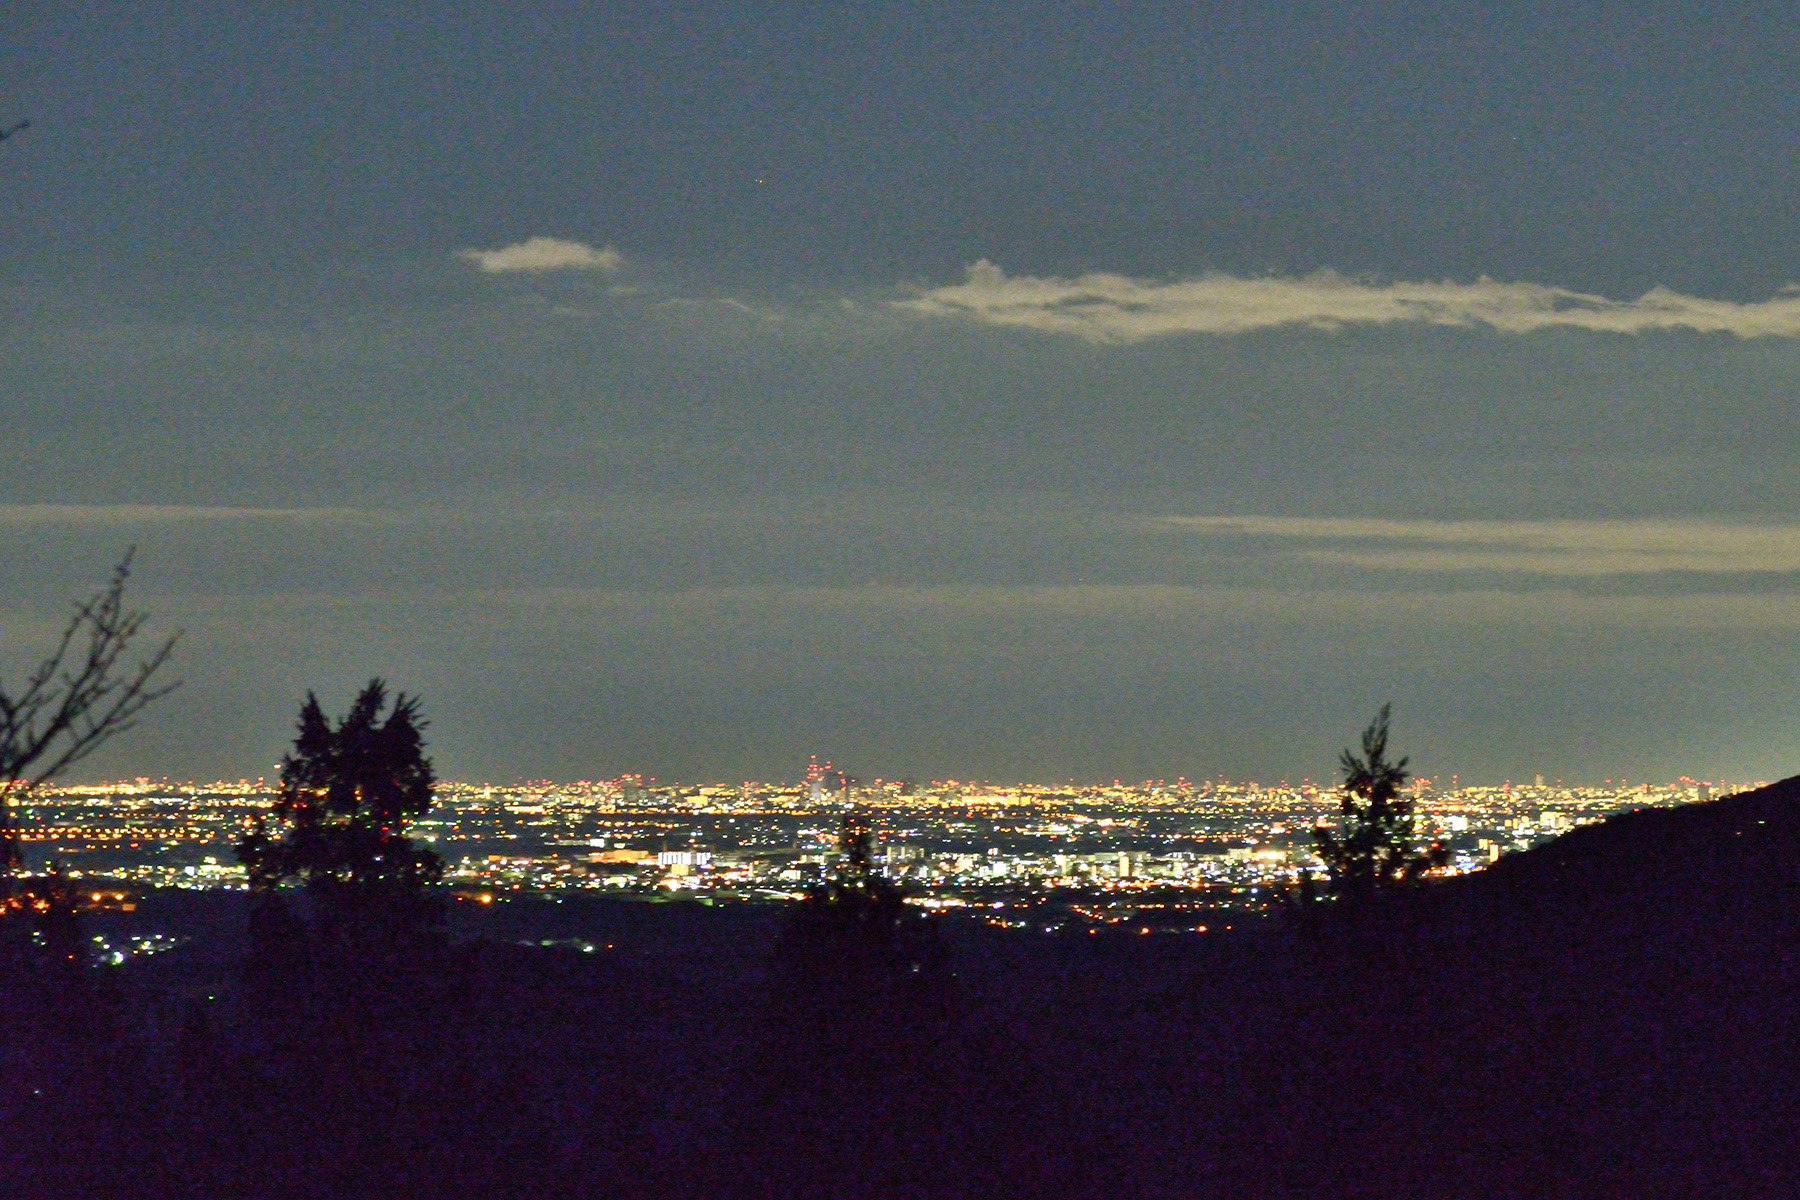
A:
{"x":76,"y":699}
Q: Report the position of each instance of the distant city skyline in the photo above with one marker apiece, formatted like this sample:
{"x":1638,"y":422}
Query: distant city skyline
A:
{"x":1012,"y":393}
{"x":1703,"y":788}
{"x":767,"y":841}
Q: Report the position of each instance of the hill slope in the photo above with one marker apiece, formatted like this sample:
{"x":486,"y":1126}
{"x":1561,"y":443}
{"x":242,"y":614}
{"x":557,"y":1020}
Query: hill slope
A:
{"x":1612,"y":1014}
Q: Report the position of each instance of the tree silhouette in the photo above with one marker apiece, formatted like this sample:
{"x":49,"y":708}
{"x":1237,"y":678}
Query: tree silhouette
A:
{"x":854,"y":933}
{"x":856,"y":1086}
{"x":1373,"y":849}
{"x":346,"y":796}
{"x":77,"y":698}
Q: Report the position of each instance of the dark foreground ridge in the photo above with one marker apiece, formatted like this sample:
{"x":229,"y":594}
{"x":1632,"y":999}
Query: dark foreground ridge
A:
{"x":1616,"y":1014}
{"x":1612,"y":1014}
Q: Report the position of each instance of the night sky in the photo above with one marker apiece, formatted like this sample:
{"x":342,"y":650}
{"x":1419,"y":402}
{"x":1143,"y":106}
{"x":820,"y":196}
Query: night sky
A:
{"x":1008,"y":391}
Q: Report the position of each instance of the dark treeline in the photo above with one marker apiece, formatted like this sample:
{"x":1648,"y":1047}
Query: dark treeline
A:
{"x":1612,"y":1015}
{"x":1563,"y":1028}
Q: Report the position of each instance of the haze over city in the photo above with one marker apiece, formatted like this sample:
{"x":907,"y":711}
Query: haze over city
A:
{"x":1082,"y":394}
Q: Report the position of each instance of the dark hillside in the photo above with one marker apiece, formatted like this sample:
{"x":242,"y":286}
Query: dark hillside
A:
{"x":1698,"y":854}
{"x":1612,"y":1015}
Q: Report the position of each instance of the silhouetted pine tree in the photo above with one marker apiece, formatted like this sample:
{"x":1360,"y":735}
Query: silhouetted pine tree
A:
{"x":859,"y":1086}
{"x":346,"y":796}
{"x":856,"y":934}
{"x":345,"y":982}
{"x":1373,"y":848}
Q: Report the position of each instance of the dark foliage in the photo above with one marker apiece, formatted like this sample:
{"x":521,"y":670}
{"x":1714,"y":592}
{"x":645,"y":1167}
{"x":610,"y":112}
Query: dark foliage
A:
{"x":79,"y":1108}
{"x":1373,"y":850}
{"x":860,"y":1084}
{"x":1614,"y":1014}
{"x":855,"y":936}
{"x":73,"y":1118}
{"x":347,"y":983}
{"x":346,"y":796}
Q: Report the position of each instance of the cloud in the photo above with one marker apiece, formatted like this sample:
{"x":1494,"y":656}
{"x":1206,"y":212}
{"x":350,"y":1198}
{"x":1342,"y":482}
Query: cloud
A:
{"x":988,"y":615}
{"x":545,"y":254}
{"x":1533,"y":547}
{"x":146,"y":514}
{"x":1117,"y":308}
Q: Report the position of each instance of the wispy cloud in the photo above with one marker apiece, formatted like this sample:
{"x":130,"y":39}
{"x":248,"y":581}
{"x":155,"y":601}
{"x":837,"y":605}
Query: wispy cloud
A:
{"x":545,"y":254}
{"x":1117,"y":308}
{"x":1534,"y":547}
{"x":990,"y":614}
{"x":157,"y":514}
